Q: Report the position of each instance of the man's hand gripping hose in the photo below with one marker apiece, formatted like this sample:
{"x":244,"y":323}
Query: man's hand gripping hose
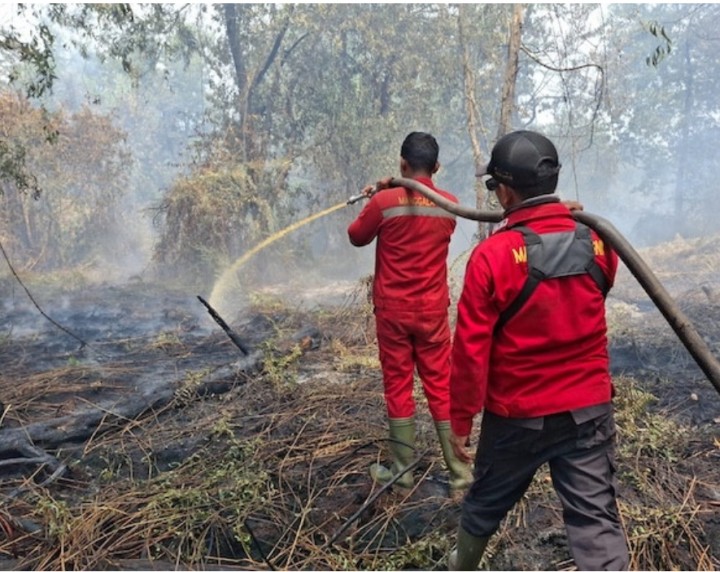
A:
{"x":366,"y":193}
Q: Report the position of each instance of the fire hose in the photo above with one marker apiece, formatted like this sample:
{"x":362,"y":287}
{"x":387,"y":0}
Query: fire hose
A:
{"x":675,"y":317}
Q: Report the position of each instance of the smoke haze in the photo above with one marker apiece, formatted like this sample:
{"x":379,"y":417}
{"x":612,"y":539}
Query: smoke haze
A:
{"x":630,"y":140}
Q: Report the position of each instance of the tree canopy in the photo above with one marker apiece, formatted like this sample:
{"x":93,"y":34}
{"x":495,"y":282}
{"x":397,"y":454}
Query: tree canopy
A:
{"x":292,"y":107}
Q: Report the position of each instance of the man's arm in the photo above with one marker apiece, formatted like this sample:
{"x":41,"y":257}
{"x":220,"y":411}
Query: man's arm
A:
{"x":476,"y":318}
{"x":365,"y":227}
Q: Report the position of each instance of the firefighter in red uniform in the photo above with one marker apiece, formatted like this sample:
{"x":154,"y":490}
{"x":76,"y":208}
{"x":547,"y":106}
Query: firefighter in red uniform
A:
{"x":411,"y":299}
{"x":530,"y":352}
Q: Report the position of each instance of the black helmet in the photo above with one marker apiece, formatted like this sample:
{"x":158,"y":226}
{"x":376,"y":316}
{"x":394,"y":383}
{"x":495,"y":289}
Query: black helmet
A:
{"x":526,"y":161}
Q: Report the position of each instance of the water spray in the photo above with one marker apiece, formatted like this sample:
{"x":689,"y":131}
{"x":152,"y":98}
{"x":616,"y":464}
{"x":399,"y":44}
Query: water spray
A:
{"x":228,"y":280}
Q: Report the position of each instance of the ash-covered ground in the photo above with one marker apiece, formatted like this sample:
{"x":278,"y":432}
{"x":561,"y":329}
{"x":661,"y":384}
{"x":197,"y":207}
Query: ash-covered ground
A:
{"x":154,"y":442}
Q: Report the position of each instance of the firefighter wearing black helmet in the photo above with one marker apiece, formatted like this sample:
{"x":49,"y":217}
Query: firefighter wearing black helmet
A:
{"x":530,"y":353}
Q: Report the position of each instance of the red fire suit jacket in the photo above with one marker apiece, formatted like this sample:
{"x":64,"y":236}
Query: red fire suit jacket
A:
{"x":413,"y":237}
{"x":552,"y":356}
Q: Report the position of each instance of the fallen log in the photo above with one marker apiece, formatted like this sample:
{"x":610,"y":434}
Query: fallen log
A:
{"x":96,"y":419}
{"x":28,"y":444}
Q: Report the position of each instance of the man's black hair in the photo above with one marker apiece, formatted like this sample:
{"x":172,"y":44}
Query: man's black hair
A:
{"x":421,"y":151}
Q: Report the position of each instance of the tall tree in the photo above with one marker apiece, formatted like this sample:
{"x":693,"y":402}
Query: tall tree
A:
{"x":489,"y":64}
{"x":472,"y":115}
{"x":507,"y":99}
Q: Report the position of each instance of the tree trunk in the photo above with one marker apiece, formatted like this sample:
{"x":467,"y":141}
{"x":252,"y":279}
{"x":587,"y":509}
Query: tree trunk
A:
{"x":233,"y":37}
{"x":507,"y":100}
{"x":232,"y":32}
{"x":472,"y":118}
{"x":684,"y":139}
{"x":485,"y":200}
{"x":248,"y":78}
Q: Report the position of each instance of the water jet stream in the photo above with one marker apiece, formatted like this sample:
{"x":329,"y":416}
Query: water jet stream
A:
{"x":229,"y":280}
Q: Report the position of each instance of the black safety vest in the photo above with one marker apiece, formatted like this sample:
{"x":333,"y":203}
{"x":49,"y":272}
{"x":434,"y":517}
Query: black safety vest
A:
{"x":555,"y":255}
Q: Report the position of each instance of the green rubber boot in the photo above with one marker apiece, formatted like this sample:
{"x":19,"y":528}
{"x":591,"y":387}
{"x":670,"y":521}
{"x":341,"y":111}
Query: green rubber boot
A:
{"x":461,"y":475}
{"x":468,"y":551}
{"x":402,"y":450}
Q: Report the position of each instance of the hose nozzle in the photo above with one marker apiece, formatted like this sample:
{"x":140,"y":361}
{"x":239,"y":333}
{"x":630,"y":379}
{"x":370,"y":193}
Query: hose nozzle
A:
{"x":355,"y":198}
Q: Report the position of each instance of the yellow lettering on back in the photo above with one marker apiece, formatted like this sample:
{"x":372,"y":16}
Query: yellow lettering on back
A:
{"x":415,"y":201}
{"x":520,"y":254}
{"x":599,"y":247}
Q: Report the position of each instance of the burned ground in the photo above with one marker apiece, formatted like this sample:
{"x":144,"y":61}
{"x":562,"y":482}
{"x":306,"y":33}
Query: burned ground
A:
{"x":159,"y":445}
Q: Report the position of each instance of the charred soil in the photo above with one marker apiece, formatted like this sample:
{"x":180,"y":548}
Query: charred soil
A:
{"x":157,"y":444}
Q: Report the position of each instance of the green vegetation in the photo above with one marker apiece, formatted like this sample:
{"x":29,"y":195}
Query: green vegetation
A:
{"x":180,"y":511}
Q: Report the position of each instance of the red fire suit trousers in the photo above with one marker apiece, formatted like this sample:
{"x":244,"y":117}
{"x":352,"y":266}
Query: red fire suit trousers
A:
{"x":410,"y":339}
